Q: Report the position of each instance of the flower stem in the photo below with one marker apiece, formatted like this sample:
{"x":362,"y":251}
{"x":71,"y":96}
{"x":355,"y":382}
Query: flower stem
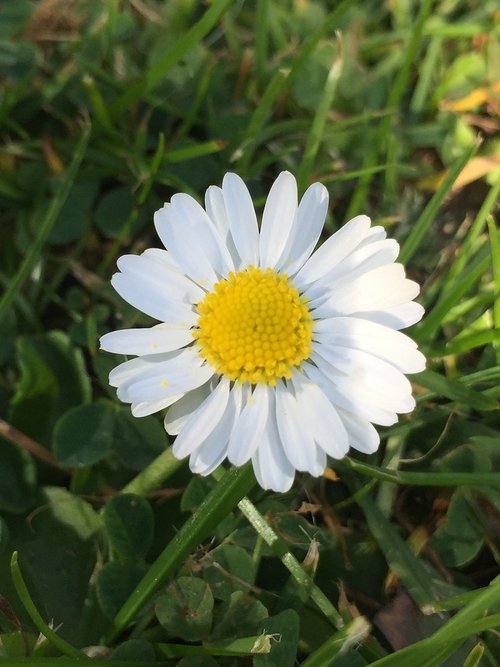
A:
{"x":152,"y":477}
{"x":280,"y":548}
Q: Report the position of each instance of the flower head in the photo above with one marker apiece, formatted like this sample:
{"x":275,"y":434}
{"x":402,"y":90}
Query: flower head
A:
{"x":265,"y":349}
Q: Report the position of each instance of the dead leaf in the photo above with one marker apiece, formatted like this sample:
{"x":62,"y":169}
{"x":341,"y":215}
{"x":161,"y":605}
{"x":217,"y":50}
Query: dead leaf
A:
{"x":476,"y":168}
{"x":475,"y":99}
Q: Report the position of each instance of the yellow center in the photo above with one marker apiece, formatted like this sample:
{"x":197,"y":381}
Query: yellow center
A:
{"x":254,"y":327}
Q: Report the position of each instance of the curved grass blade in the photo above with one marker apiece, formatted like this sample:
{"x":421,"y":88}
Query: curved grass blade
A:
{"x":44,"y":629}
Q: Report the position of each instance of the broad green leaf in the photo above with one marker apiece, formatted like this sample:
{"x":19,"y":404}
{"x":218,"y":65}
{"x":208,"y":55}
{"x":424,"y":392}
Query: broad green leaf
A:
{"x":71,"y":222}
{"x":226,"y":567}
{"x":129,"y":523}
{"x":17,"y":478}
{"x":113,"y":212}
{"x":282,"y":633}
{"x":195,"y":492}
{"x":84,"y":435}
{"x":185,"y":609}
{"x":58,"y":550}
{"x":137,"y":441}
{"x":239,"y":616}
{"x":459,"y":540}
{"x":136,"y":650}
{"x":53,"y":380}
{"x":115,"y":582}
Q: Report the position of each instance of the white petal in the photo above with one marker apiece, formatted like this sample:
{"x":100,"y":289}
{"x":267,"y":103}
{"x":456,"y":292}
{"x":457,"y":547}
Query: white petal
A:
{"x":272,"y":468}
{"x":164,"y":258}
{"x":379,"y":289}
{"x":367,"y":372}
{"x":397,"y":317}
{"x":158,"y":339}
{"x":134,"y":367}
{"x":180,"y":411}
{"x":159,"y":268}
{"x":212,"y":451}
{"x":277,"y":219}
{"x":216,"y":209}
{"x":242,"y":219}
{"x":202,"y":421}
{"x":295,"y":435}
{"x":363,"y":436}
{"x":153,"y":366}
{"x":333,"y":251}
{"x":374,"y":234}
{"x":172,"y":380}
{"x":148,"y":296}
{"x":249,"y":426}
{"x":146,"y":408}
{"x":344,"y":394}
{"x":192,"y":240}
{"x":383,"y":342}
{"x":324,"y":422}
{"x":306,"y":230}
{"x":208,"y":457}
{"x":362,"y":260}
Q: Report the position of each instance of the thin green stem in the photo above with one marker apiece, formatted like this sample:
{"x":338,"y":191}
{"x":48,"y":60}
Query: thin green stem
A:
{"x":424,"y":478}
{"x":153,"y":476}
{"x":43,"y":628}
{"x":234,"y":484}
{"x":280,"y":548}
{"x":421,"y":226}
{"x":464,"y":624}
{"x":495,"y":261}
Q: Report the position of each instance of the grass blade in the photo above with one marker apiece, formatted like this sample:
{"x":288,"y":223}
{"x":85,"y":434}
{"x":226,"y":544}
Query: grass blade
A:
{"x":35,"y":249}
{"x":35,"y":616}
{"x":423,"y":478}
{"x":495,"y":261}
{"x":235,"y":484}
{"x":319,"y":121}
{"x":454,"y":390}
{"x":405,"y":564}
{"x":422,"y":225}
{"x":395,"y":94}
{"x":159,"y":69}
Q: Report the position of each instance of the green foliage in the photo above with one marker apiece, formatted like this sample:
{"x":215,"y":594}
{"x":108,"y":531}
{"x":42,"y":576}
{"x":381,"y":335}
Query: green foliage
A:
{"x":83,"y":435}
{"x":185,"y":609}
{"x":53,"y":380}
{"x":129,"y":524}
{"x":106,"y":110}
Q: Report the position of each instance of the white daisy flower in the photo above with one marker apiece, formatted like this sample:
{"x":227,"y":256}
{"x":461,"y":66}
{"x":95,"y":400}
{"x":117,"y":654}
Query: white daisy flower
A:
{"x":266,"y":350}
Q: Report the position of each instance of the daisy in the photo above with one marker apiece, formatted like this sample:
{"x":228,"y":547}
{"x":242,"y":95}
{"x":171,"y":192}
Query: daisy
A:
{"x":265,"y":349}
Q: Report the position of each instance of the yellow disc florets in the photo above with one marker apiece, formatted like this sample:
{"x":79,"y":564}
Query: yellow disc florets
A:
{"x":254,"y":327}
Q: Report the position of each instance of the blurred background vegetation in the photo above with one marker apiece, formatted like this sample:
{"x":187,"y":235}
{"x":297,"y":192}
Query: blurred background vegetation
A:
{"x":108,"y":107}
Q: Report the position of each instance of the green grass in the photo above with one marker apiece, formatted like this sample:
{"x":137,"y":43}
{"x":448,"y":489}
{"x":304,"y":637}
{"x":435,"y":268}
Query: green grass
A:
{"x":106,"y":110}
